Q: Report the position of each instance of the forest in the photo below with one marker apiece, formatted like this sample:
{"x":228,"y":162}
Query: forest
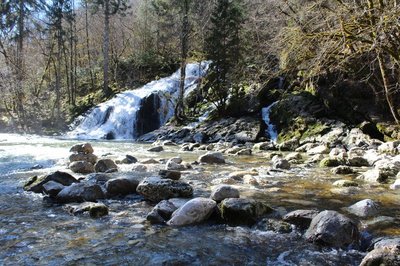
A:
{"x":61,"y":57}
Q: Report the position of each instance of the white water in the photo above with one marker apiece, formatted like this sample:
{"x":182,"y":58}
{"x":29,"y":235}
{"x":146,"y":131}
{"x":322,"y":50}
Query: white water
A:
{"x":118,"y":116}
{"x":271,"y":130}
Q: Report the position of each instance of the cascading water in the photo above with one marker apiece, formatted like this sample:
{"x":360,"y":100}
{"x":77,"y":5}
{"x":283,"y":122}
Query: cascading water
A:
{"x":135,"y":112}
{"x":271,"y":130}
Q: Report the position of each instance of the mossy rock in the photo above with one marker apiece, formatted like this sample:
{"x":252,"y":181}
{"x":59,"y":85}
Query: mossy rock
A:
{"x":390,"y":132}
{"x":328,"y":162}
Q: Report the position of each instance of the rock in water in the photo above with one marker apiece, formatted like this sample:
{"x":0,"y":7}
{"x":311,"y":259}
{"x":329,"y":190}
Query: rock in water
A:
{"x":223,"y":192}
{"x":80,"y":192}
{"x":364,"y":208}
{"x":156,"y":149}
{"x":300,"y":218}
{"x":90,"y":158}
{"x":121,"y":186}
{"x":242,"y":211}
{"x":105,"y":165}
{"x":163,"y":211}
{"x":35,"y":184}
{"x":385,"y":256}
{"x":330,"y":228}
{"x":212,"y":158}
{"x":52,"y":188}
{"x":81,"y":167}
{"x":156,"y":189}
{"x":194,"y":211}
{"x":170,"y":174}
{"x":82,"y":148}
{"x":96,"y":210}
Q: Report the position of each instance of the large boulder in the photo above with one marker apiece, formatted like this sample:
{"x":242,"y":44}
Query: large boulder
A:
{"x":80,"y":192}
{"x":87,"y":157}
{"x":35,"y":184}
{"x":384,"y":256}
{"x":194,"y":211}
{"x":52,"y":188}
{"x":300,"y":218}
{"x":156,"y":189}
{"x":163,"y":211}
{"x":212,"y":158}
{"x":375,"y":176}
{"x":222,"y":192}
{"x":364,"y":208}
{"x":121,"y":186}
{"x":81,"y":167}
{"x":105,"y":165}
{"x":242,"y":211}
{"x":330,"y":228}
{"x":85,"y":148}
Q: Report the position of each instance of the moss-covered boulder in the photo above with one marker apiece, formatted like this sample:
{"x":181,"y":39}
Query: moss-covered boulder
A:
{"x":329,"y":162}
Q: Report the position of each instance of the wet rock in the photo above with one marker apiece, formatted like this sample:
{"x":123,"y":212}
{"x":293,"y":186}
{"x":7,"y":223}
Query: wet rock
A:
{"x":170,"y":174}
{"x":339,"y":154}
{"x":81,"y":167}
{"x":386,"y":242}
{"x":329,"y":162}
{"x":129,"y":159}
{"x":156,"y":149}
{"x":391,"y":148}
{"x":364,"y":208}
{"x":289,"y":145}
{"x":80,"y":192}
{"x":322,"y":149}
{"x":250,"y":180}
{"x":242,"y":211}
{"x":176,"y":160}
{"x":380,"y":223}
{"x":233,"y":150}
{"x":52,"y":188}
{"x":300,"y":218}
{"x":171,"y":165}
{"x":212,"y":158}
{"x":278,"y":163}
{"x":37,"y":167}
{"x":395,"y":185}
{"x":121,"y":186}
{"x":330,"y":228}
{"x":243,"y":152}
{"x":357,"y":161}
{"x":263,"y":146}
{"x":375,"y":176}
{"x":238,"y":175}
{"x":96,"y":210}
{"x":194,"y":211}
{"x":224,"y":192}
{"x":387,"y":256}
{"x":274,"y":225}
{"x":87,"y":157}
{"x":35,"y":184}
{"x":105,"y":165}
{"x":389,"y":166}
{"x":162,"y":212}
{"x":342,"y":170}
{"x":345,"y":183}
{"x":315,"y":158}
{"x":139,"y":168}
{"x":294,"y":156}
{"x":156,"y":189}
{"x":82,"y":148}
{"x":305,"y":147}
{"x":150,"y":161}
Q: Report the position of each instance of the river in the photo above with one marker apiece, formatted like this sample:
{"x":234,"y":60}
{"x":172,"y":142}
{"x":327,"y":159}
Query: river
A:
{"x":33,"y":233}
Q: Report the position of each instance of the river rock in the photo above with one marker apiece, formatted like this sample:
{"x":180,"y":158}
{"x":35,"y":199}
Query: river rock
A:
{"x":242,"y":211}
{"x":395,"y":185}
{"x":52,"y":188}
{"x":357,"y":161}
{"x":300,"y":218}
{"x":345,"y":183}
{"x":263,"y":146}
{"x":244,"y":152}
{"x":139,"y":168}
{"x":162,"y":212}
{"x":156,"y":149}
{"x":329,"y":162}
{"x":295,"y":156}
{"x":194,"y":211}
{"x":330,"y":228}
{"x":129,"y":159}
{"x":35,"y":184}
{"x":386,"y":256}
{"x":342,"y":170}
{"x":81,"y":167}
{"x":274,"y":226}
{"x":156,"y":189}
{"x":149,"y":161}
{"x":121,"y":186}
{"x":322,"y":149}
{"x":80,"y":192}
{"x":170,"y":174}
{"x":224,"y":192}
{"x":339,"y":154}
{"x":391,"y":148}
{"x":289,"y":145}
{"x":364,"y":208}
{"x":171,"y":165}
{"x":212,"y":158}
{"x":278,"y":163}
{"x":105,"y":165}
{"x":380,"y":223}
{"x":85,"y":148}
{"x":87,"y":157}
{"x":238,"y":175}
{"x":96,"y":210}
{"x":374,"y":175}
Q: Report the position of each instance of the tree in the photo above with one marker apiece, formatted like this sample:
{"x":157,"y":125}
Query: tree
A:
{"x":223,"y":48}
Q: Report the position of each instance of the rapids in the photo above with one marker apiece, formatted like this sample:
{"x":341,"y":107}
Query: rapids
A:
{"x":32,"y":233}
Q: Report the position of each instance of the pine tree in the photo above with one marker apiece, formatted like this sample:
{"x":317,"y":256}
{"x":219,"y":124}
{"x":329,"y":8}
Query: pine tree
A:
{"x":223,"y":48}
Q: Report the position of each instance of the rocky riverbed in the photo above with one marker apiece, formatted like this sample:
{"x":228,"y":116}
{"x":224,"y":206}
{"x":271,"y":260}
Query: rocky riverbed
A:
{"x":329,"y":200}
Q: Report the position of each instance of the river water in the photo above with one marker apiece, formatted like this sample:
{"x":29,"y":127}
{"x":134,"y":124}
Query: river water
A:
{"x":33,"y":233}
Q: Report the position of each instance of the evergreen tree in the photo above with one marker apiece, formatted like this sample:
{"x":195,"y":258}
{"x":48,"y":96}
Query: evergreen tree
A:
{"x":223,"y":48}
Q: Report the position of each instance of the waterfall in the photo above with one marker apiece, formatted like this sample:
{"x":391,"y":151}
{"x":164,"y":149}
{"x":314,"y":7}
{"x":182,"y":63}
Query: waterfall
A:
{"x":271,"y":130}
{"x":135,"y":112}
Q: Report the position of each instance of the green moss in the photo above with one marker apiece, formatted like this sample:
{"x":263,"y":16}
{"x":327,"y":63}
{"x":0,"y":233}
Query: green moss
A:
{"x":328,"y":162}
{"x":315,"y":129}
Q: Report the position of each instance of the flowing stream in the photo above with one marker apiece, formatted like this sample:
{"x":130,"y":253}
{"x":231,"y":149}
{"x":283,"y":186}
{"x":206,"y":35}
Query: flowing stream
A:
{"x":33,"y":233}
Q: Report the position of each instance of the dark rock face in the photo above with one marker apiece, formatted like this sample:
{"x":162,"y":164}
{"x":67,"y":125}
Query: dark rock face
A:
{"x":35,"y":184}
{"x":121,"y":186}
{"x":330,"y":228}
{"x":156,"y":189}
{"x":52,"y":188}
{"x":300,"y":218}
{"x":242,"y":211}
{"x":105,"y":165}
{"x":80,"y":192}
{"x":148,"y":118}
{"x":170,"y":174}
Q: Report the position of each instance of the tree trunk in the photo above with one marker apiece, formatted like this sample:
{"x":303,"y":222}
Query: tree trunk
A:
{"x":88,"y":46}
{"x":106,"y":47}
{"x":20,"y":74}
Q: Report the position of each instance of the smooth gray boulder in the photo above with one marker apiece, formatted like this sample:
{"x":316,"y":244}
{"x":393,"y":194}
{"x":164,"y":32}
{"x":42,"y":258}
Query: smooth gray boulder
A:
{"x":384,"y":256}
{"x":212,"y":158}
{"x":364,"y":208}
{"x":278,"y":163}
{"x":87,"y":157}
{"x":82,"y":148}
{"x":172,"y":165}
{"x":105,"y":165}
{"x":330,"y":228}
{"x":300,"y":218}
{"x":162,"y":212}
{"x":52,"y":188}
{"x":129,"y":159}
{"x":121,"y":186}
{"x":222,"y":192}
{"x":156,"y":189}
{"x":156,"y":149}
{"x":80,"y":192}
{"x":194,"y":211}
{"x":81,"y":167}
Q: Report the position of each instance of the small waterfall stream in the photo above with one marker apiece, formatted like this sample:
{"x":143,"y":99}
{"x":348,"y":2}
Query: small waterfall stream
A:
{"x":271,"y":130}
{"x":135,"y":112}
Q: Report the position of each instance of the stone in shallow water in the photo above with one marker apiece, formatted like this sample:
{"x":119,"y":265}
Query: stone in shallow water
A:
{"x":81,"y":167}
{"x":170,"y":174}
{"x":105,"y":165}
{"x":80,"y":192}
{"x":121,"y":186}
{"x":35,"y":184}
{"x":96,"y":210}
{"x":82,"y":148}
{"x":386,"y":256}
{"x":156,"y":189}
{"x":300,"y":218}
{"x":274,"y":225}
{"x":345,"y":183}
{"x":342,"y":170}
{"x":223,"y":192}
{"x":52,"y":188}
{"x":364,"y":208}
{"x":194,"y":211}
{"x":212,"y":158}
{"x":90,"y":158}
{"x":156,"y":149}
